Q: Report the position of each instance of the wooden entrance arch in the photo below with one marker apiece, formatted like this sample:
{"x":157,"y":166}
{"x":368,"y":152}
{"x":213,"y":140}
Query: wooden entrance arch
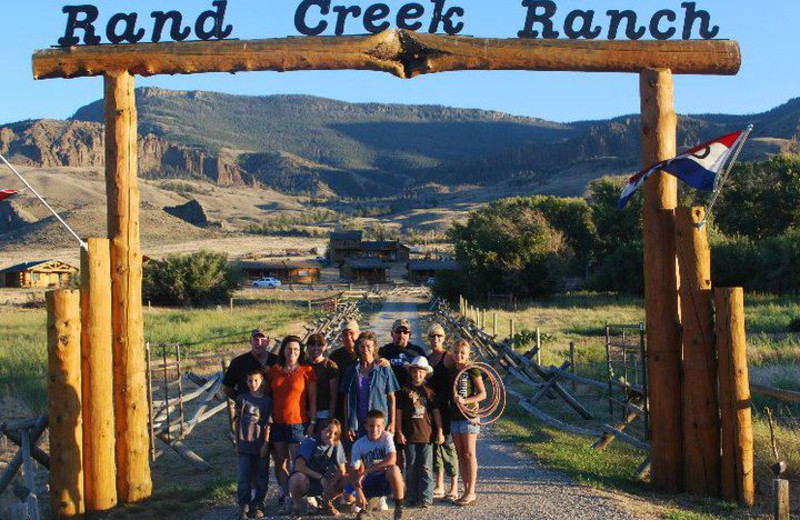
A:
{"x":406,"y":55}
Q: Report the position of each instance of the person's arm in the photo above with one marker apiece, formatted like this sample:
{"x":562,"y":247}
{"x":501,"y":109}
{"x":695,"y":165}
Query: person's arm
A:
{"x":437,"y":419}
{"x":265,"y":447}
{"x":300,"y":466}
{"x":229,"y":392}
{"x":398,"y":416}
{"x":334,"y":386}
{"x":385,"y":464}
{"x":392,"y":402}
{"x":312,"y":406}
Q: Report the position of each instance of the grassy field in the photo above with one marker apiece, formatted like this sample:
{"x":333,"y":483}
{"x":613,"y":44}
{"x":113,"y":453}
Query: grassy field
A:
{"x":23,"y":337}
{"x":774,"y":357}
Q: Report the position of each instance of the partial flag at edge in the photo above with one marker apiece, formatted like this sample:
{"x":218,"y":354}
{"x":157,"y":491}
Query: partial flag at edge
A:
{"x":698,"y":167}
{"x":7,"y":193}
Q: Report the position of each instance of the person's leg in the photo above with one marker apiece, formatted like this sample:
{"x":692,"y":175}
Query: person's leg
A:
{"x":412,"y":476}
{"x":450,"y":463}
{"x":395,"y":478}
{"x":471,"y":465}
{"x":281,"y":465}
{"x":438,"y":469}
{"x":244,"y":487}
{"x":424,"y":468}
{"x":262,"y":481}
{"x":298,"y":488}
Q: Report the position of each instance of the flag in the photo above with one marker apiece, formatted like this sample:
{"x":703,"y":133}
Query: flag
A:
{"x":697,"y":167}
{"x":7,"y":193}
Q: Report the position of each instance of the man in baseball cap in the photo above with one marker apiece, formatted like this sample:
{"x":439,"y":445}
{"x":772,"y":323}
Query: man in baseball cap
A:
{"x":401,"y":351}
{"x":235,"y":380}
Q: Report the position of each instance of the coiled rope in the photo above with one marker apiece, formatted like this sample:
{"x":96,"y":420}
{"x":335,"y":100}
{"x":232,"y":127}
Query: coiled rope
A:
{"x":490,"y":409}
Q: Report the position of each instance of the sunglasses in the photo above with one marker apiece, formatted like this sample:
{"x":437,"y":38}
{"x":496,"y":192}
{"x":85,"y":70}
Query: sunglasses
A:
{"x":403,"y":331}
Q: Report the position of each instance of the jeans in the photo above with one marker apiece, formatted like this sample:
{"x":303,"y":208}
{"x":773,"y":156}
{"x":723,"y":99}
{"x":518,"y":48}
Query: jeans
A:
{"x":445,"y":456}
{"x":253,"y":474}
{"x":419,"y":473}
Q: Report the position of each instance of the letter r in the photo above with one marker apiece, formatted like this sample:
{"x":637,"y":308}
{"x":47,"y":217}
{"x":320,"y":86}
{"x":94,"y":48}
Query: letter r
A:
{"x":89,"y":36}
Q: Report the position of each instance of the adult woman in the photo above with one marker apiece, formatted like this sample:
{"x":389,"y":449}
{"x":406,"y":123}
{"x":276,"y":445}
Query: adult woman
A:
{"x":319,"y":469}
{"x":327,"y":373}
{"x":368,"y":386}
{"x":294,"y":394}
{"x":465,"y":389}
{"x":445,"y":459}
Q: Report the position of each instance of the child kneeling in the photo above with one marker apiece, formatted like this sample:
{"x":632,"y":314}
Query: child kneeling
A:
{"x":373,"y":472}
{"x":319,"y":469}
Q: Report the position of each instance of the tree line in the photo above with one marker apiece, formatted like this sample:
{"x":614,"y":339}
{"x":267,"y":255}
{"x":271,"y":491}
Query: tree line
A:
{"x":530,"y":246}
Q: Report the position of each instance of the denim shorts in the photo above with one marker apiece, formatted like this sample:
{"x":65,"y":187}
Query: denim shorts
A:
{"x":374,"y":485}
{"x":462,"y":427}
{"x":288,"y":433}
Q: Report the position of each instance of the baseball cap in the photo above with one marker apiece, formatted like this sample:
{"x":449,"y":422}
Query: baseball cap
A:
{"x":258,"y":332}
{"x":349,"y":325}
{"x":399,"y":324}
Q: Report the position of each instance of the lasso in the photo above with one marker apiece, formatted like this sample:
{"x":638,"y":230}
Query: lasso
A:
{"x":492,"y":408}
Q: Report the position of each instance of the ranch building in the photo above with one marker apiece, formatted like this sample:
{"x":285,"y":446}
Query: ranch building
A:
{"x":287,"y":271}
{"x":38,"y":274}
{"x":388,"y":251}
{"x":370,"y":270}
{"x":421,"y":270}
{"x":345,"y":244}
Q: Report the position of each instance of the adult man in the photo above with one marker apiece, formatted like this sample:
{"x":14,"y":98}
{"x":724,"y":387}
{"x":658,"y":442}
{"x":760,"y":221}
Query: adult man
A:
{"x":234,"y":382}
{"x":346,"y":356}
{"x":401,"y":351}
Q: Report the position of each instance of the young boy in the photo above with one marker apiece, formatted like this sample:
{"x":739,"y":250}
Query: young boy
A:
{"x":253,"y":417}
{"x":373,"y":472}
{"x":419,"y":423}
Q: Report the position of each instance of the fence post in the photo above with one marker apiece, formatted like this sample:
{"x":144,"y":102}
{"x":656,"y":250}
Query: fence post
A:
{"x":97,"y":380}
{"x":734,"y":389}
{"x":572,"y":367}
{"x":64,"y":393}
{"x":494,"y":324}
{"x":148,"y":360}
{"x":30,"y":477}
{"x":538,"y":347}
{"x":511,"y":330}
{"x":782,"y":502}
{"x":231,"y":302}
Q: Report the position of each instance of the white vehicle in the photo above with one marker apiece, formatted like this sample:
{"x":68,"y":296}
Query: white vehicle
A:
{"x":267,"y":282}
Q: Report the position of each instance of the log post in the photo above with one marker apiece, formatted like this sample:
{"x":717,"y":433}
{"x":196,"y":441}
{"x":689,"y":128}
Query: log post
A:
{"x":97,"y":377}
{"x":734,"y":393}
{"x":700,"y":413}
{"x":64,"y":396}
{"x":122,"y":191}
{"x":659,"y":127}
{"x":782,"y":505}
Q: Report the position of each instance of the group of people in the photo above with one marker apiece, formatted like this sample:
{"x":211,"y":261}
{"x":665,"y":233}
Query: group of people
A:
{"x":361,"y":422}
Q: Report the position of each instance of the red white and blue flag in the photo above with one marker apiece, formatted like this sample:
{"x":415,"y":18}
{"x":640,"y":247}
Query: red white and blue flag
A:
{"x":7,"y":193}
{"x":697,"y":167}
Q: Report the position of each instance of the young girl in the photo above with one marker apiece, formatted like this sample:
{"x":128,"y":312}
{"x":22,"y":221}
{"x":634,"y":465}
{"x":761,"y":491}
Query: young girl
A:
{"x":469,"y":391}
{"x":294,"y":392}
{"x":319,"y":469}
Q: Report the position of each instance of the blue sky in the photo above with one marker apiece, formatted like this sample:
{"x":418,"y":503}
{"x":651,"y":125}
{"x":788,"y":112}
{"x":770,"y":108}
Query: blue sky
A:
{"x":765,"y":29}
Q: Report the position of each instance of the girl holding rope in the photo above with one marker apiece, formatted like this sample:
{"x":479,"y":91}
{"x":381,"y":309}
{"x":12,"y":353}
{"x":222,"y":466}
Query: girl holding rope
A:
{"x":466,"y":391}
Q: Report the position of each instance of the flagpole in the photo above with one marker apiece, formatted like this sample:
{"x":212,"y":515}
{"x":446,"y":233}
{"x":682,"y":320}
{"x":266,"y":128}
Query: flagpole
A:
{"x":724,"y":177}
{"x":80,"y":241}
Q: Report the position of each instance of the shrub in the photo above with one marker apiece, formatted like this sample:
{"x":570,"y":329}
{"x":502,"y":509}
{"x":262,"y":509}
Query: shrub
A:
{"x":621,"y":271}
{"x":202,"y":278}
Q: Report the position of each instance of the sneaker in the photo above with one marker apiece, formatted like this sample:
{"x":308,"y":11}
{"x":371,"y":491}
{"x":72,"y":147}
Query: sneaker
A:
{"x":398,"y":512}
{"x":257,"y":512}
{"x":425,"y":505}
{"x":243,"y":512}
{"x":312,"y":502}
{"x":383,"y":506}
{"x":363,"y":514}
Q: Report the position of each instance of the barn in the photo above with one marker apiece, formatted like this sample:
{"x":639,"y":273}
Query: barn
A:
{"x":287,"y":271}
{"x":421,"y":270}
{"x":370,"y":270}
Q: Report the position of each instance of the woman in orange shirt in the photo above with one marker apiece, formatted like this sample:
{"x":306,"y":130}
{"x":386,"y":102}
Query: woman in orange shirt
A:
{"x":294,"y":397}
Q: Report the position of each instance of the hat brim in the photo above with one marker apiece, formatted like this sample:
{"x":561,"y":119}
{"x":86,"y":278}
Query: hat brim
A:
{"x":428,"y":369}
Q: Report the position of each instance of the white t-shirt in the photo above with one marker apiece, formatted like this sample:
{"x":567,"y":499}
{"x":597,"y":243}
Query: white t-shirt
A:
{"x":370,"y":452}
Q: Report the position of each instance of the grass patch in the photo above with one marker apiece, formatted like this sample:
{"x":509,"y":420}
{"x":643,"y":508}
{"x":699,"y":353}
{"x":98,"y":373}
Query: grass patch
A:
{"x":23,"y":339}
{"x":178,"y":501}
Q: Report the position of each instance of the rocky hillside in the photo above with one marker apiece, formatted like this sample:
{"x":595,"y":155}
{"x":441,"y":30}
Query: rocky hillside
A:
{"x":302,"y":144}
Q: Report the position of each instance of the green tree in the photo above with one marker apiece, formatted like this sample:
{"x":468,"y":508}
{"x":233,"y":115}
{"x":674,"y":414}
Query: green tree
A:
{"x":201,"y":278}
{"x":508,"y":246}
{"x":573,"y":217}
{"x":760,"y":199}
{"x":614,"y":227}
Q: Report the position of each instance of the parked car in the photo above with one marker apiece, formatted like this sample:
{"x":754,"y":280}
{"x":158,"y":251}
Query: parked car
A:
{"x":430,"y":282}
{"x":267,"y":282}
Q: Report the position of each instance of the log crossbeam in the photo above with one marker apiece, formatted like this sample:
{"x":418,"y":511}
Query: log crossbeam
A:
{"x":402,"y":53}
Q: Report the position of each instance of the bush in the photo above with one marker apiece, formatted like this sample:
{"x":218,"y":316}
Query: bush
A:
{"x":621,"y":271}
{"x":202,"y":278}
{"x":507,"y":246}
